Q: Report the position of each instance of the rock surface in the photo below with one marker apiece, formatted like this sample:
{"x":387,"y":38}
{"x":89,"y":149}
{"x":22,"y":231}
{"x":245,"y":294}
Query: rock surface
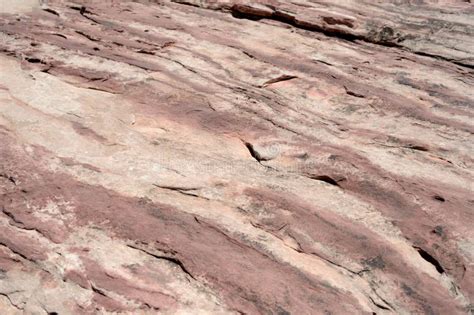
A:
{"x":232,"y":157}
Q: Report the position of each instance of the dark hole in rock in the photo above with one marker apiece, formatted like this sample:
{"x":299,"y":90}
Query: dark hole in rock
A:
{"x":426,"y":256}
{"x":33,"y":60}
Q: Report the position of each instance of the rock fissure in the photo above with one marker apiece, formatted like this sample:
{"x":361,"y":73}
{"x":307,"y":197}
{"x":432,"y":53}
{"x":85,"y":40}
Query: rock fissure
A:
{"x":170,"y":259}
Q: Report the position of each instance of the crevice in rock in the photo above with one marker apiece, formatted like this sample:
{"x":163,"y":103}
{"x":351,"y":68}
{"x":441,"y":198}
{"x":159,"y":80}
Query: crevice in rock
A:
{"x":185,"y":2}
{"x":173,"y":260}
{"x":266,"y":119}
{"x":257,"y":156}
{"x":9,"y":178}
{"x":252,"y":151}
{"x":426,"y":256}
{"x":98,"y":291}
{"x":101,"y":90}
{"x":188,"y":191}
{"x":210,"y":106}
{"x":281,"y":126}
{"x":87,"y":36}
{"x":438,"y":57}
{"x":60,"y":35}
{"x":146,"y":52}
{"x":154,"y":308}
{"x":383,"y":307}
{"x":382,"y":299}
{"x":353,"y":93}
{"x":326,"y":179}
{"x":81,"y":9}
{"x":16,"y":252}
{"x":416,"y":147}
{"x":10,"y":300}
{"x":230,"y":239}
{"x":358,"y":273}
{"x":181,"y":64}
{"x":323,"y":62}
{"x":11,"y":216}
{"x":19,"y":224}
{"x":249,"y":55}
{"x":51,"y":11}
{"x":281,"y":78}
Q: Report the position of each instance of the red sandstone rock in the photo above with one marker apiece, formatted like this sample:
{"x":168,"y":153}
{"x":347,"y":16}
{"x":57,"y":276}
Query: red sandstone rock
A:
{"x":247,"y":157}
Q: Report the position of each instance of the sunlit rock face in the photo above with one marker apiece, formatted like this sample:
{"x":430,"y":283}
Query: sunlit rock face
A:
{"x":236,"y":157}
